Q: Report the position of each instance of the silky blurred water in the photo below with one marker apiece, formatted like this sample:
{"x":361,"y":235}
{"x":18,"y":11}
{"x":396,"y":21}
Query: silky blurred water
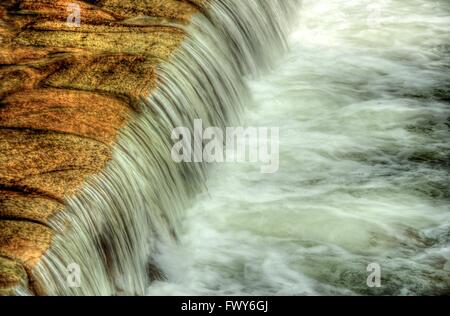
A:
{"x":362,"y":102}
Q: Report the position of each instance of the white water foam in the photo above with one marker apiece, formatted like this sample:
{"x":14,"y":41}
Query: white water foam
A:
{"x":362,"y":101}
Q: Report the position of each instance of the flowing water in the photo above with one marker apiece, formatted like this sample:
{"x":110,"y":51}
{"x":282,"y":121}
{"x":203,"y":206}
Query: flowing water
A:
{"x":362,"y":102}
{"x":109,"y":232}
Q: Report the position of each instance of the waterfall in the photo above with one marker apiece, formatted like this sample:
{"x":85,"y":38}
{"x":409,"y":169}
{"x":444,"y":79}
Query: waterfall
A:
{"x":111,"y":227}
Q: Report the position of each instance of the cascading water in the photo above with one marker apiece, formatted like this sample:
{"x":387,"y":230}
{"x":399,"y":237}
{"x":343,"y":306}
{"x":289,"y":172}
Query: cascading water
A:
{"x":112,"y":227}
{"x":362,"y":101}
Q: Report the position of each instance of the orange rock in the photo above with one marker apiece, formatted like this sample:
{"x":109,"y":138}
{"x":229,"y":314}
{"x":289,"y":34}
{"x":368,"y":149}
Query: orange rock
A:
{"x":65,"y":92}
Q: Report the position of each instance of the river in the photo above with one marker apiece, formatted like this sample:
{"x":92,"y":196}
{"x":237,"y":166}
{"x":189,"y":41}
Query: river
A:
{"x":362,"y":103}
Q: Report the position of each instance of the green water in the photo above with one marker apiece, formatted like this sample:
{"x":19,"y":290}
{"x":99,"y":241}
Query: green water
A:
{"x":362,"y":102}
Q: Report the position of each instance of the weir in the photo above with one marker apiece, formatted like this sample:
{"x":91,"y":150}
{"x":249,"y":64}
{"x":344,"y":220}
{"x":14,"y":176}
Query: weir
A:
{"x":111,"y":226}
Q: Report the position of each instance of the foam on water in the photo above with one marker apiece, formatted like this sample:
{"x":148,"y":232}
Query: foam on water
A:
{"x":362,"y":102}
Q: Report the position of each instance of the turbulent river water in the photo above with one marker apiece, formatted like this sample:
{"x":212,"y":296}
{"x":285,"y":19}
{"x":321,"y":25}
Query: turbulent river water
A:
{"x":362,"y":102}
